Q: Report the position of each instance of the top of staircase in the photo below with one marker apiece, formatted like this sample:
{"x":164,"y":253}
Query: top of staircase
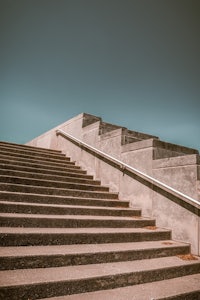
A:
{"x":162,"y":149}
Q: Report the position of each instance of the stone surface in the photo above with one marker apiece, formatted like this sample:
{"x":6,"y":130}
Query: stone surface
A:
{"x":71,"y":234}
{"x":72,"y":279}
{"x":174,"y":165}
{"x":186,"y":288}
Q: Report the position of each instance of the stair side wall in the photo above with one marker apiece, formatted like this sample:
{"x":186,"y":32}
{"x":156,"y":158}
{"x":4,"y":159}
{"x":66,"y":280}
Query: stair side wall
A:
{"x":138,"y":155}
{"x":181,"y":173}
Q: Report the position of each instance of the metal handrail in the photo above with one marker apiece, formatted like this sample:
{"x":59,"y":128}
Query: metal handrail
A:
{"x":123,"y":166}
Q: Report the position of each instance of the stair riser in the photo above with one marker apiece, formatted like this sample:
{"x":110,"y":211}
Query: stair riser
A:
{"x":34,"y":152}
{"x":70,"y":239}
{"x":29,"y":148}
{"x":72,"y":172}
{"x":52,"y":289}
{"x":58,"y":192}
{"x":52,"y":184}
{"x":38,"y":176}
{"x":69,"y":223}
{"x":49,"y":261}
{"x":22,"y":161}
{"x":38,"y":160}
{"x":30,"y":209}
{"x":46,"y":199}
{"x":33,"y":155}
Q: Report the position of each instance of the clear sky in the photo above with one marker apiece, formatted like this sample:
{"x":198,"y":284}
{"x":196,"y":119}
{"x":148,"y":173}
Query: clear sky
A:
{"x":134,"y":63}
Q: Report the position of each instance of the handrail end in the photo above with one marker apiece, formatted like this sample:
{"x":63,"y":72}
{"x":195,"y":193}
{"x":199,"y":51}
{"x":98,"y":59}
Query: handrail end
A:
{"x":58,"y":131}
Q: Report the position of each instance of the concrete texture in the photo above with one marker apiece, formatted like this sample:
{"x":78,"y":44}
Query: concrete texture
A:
{"x":184,"y":288}
{"x":42,"y":208}
{"x":146,"y":154}
{"x":179,"y":172}
{"x":62,"y":255}
{"x":72,"y":221}
{"x":19,"y":236}
{"x":98,"y":276}
{"x":175,"y":165}
{"x":70,"y":234}
{"x":52,"y":199}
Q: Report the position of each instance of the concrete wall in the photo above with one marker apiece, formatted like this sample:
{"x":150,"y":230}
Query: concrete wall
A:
{"x":49,"y":138}
{"x":178,"y":172}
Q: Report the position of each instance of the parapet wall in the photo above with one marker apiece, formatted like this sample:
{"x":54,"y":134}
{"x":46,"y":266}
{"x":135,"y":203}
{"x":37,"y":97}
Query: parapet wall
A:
{"x":174,"y":165}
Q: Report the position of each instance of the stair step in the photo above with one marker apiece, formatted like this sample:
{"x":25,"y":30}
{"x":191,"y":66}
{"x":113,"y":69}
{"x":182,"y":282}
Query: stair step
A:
{"x":58,"y":191}
{"x":55,"y":256}
{"x":27,"y":147}
{"x":52,"y":183}
{"x":41,"y":160}
{"x":35,"y":208}
{"x":33,"y":155}
{"x":73,"y":172}
{"x":19,"y":236}
{"x":72,"y":221}
{"x":65,"y":168}
{"x":180,"y":288}
{"x":66,"y":200}
{"x":36,"y":160}
{"x":32,"y":151}
{"x":69,"y":178}
{"x":45,"y":282}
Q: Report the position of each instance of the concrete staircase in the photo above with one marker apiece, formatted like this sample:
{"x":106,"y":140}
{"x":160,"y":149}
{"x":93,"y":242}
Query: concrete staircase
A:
{"x":65,"y":236}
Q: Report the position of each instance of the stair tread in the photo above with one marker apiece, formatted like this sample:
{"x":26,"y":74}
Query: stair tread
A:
{"x":56,"y":191}
{"x":36,"y":159}
{"x":72,"y":217}
{"x":86,"y":248}
{"x":22,"y":146}
{"x":42,"y":164}
{"x":81,"y":230}
{"x":45,"y":171}
{"x":57,"y":188}
{"x":72,"y":198}
{"x":31,"y":151}
{"x":51,"y":177}
{"x":147,"y":291}
{"x":70,"y":206}
{"x":70,"y":273}
{"x":33,"y":155}
{"x":48,"y":181}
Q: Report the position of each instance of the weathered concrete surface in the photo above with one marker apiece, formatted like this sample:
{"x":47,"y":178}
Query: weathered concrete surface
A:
{"x":174,"y":165}
{"x":139,"y":155}
{"x":49,"y":139}
{"x":168,"y":213}
{"x":177,"y":166}
{"x":186,"y":287}
{"x":79,"y":279}
{"x":69,"y":234}
{"x":180,"y":173}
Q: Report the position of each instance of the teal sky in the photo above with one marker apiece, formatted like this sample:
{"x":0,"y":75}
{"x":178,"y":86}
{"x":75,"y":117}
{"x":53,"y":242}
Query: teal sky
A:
{"x":134,"y":63}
